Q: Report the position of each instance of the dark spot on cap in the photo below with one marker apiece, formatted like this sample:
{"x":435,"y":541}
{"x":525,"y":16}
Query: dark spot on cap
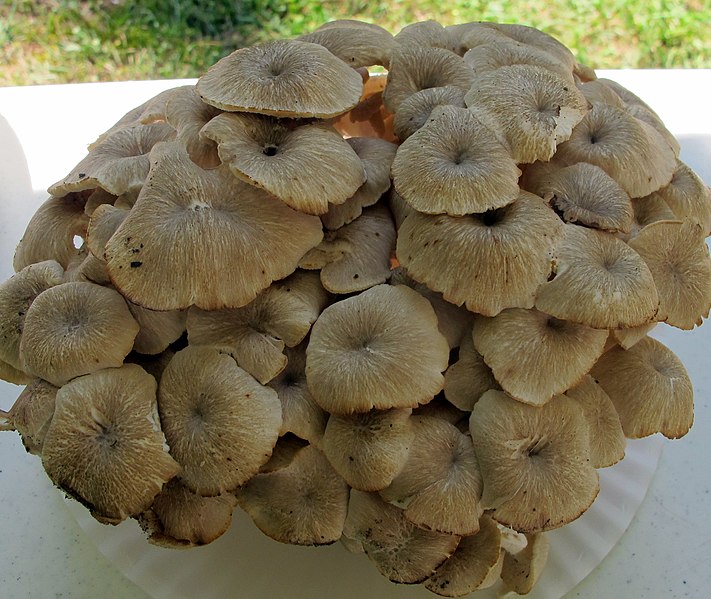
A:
{"x":136,"y":264}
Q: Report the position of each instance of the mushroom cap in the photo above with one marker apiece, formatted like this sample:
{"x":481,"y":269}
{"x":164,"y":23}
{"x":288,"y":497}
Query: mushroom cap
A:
{"x":632,"y":152}
{"x":51,"y":232}
{"x":12,"y":375}
{"x":607,"y":439}
{"x":399,"y":208}
{"x":426,"y":34}
{"x":256,"y":334}
{"x":489,"y":261}
{"x":414,"y":68}
{"x":356,"y":256}
{"x":535,"y":356}
{"x":535,"y":108}
{"x":596,"y":92}
{"x":67,"y":329}
{"x":522,"y":570}
{"x":585,"y":194}
{"x":439,"y":486}
{"x":180,"y":518}
{"x":626,"y":338}
{"x":96,"y":198}
{"x":454,"y":165}
{"x":157,"y":329}
{"x":105,"y":446}
{"x":16,"y":296}
{"x":354,"y":45}
{"x":401,"y":551}
{"x":301,"y":415}
{"x":416,"y":109}
{"x":535,"y":37}
{"x":600,"y":282}
{"x":377,"y":156}
{"x":104,"y":221}
{"x":678,"y":258}
{"x":364,"y":349}
{"x":535,"y":461}
{"x":304,"y":503}
{"x":649,"y":387}
{"x":307,"y":167}
{"x":648,"y":210}
{"x":467,"y":379}
{"x":282,"y":78}
{"x":488,"y":57}
{"x":221,"y":424}
{"x":368,"y":450}
{"x":688,"y":197}
{"x":646,"y":114}
{"x":469,"y":566}
{"x":203,"y":237}
{"x":119,"y":163}
{"x":32,"y":413}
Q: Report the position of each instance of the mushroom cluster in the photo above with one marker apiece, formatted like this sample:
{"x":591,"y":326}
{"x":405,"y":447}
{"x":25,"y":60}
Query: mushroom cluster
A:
{"x":406,"y":312}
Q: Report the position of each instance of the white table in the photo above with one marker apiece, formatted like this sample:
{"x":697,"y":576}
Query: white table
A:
{"x":44,"y":553}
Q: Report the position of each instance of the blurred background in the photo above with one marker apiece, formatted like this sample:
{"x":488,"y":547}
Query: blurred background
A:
{"x":69,"y":41}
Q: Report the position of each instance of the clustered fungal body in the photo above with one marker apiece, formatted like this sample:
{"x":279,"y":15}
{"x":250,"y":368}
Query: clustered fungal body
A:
{"x":405,"y":312}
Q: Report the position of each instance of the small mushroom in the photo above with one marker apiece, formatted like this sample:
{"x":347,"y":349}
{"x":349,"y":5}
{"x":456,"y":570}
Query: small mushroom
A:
{"x":688,"y":197}
{"x":415,"y":110}
{"x":304,"y":503}
{"x":522,"y":570}
{"x":104,"y":221}
{"x":105,"y":447}
{"x":157,"y":330}
{"x":364,"y":350}
{"x":32,"y":413}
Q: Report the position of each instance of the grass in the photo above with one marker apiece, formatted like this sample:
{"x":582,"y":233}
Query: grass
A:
{"x":59,"y":41}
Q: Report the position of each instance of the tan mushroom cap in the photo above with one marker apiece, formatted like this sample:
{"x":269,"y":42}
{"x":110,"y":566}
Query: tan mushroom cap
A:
{"x":535,"y":37}
{"x":304,"y":503}
{"x":488,"y":57}
{"x":16,"y":296}
{"x":522,"y":570}
{"x":535,"y":356}
{"x":596,"y":92}
{"x":454,"y":322}
{"x":629,"y":150}
{"x":282,"y":78}
{"x":205,"y":238}
{"x":188,"y":114}
{"x":221,"y":425}
{"x":600,"y":282}
{"x":439,"y":485}
{"x":467,"y":379}
{"x":73,"y":329}
{"x":535,"y":108}
{"x":13,"y":375}
{"x":535,"y":461}
{"x":648,"y":210}
{"x":399,"y":208}
{"x":454,"y":165}
{"x":646,"y":114}
{"x":442,"y":409}
{"x":369,"y":450}
{"x":87,"y":269}
{"x":284,"y":452}
{"x":426,"y":34}
{"x":585,"y":194}
{"x":118,"y":164}
{"x":256,"y":334}
{"x":415,"y":110}
{"x":97,"y":198}
{"x":413,"y":69}
{"x":364,"y":350}
{"x":401,"y":551}
{"x":626,"y":338}
{"x":678,"y":258}
{"x":650,"y":388}
{"x":307,"y":167}
{"x":688,"y":197}
{"x":157,"y":329}
{"x":301,"y":415}
{"x":105,"y":446}
{"x":104,"y":221}
{"x":470,"y":565}
{"x":354,"y":45}
{"x":607,"y":439}
{"x":377,"y":156}
{"x":356,"y":256}
{"x":489,"y":261}
{"x":180,"y":518}
{"x":51,"y":233}
{"x":32,"y":413}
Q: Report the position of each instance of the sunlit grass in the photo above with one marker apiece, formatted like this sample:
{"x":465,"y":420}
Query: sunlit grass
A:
{"x":54,"y":41}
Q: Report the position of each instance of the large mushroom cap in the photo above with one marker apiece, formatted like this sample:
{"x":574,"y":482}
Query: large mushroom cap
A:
{"x":688,"y":197}
{"x":600,"y":282}
{"x":357,"y":46}
{"x":364,"y":352}
{"x":220,"y":423}
{"x":306,"y":167}
{"x":454,"y":165}
{"x":204,"y":238}
{"x":415,"y":110}
{"x":488,"y":261}
{"x":535,"y":356}
{"x":74,"y":329}
{"x":535,"y":461}
{"x":105,"y":446}
{"x":304,"y":503}
{"x":282,"y":78}
{"x":650,"y":388}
